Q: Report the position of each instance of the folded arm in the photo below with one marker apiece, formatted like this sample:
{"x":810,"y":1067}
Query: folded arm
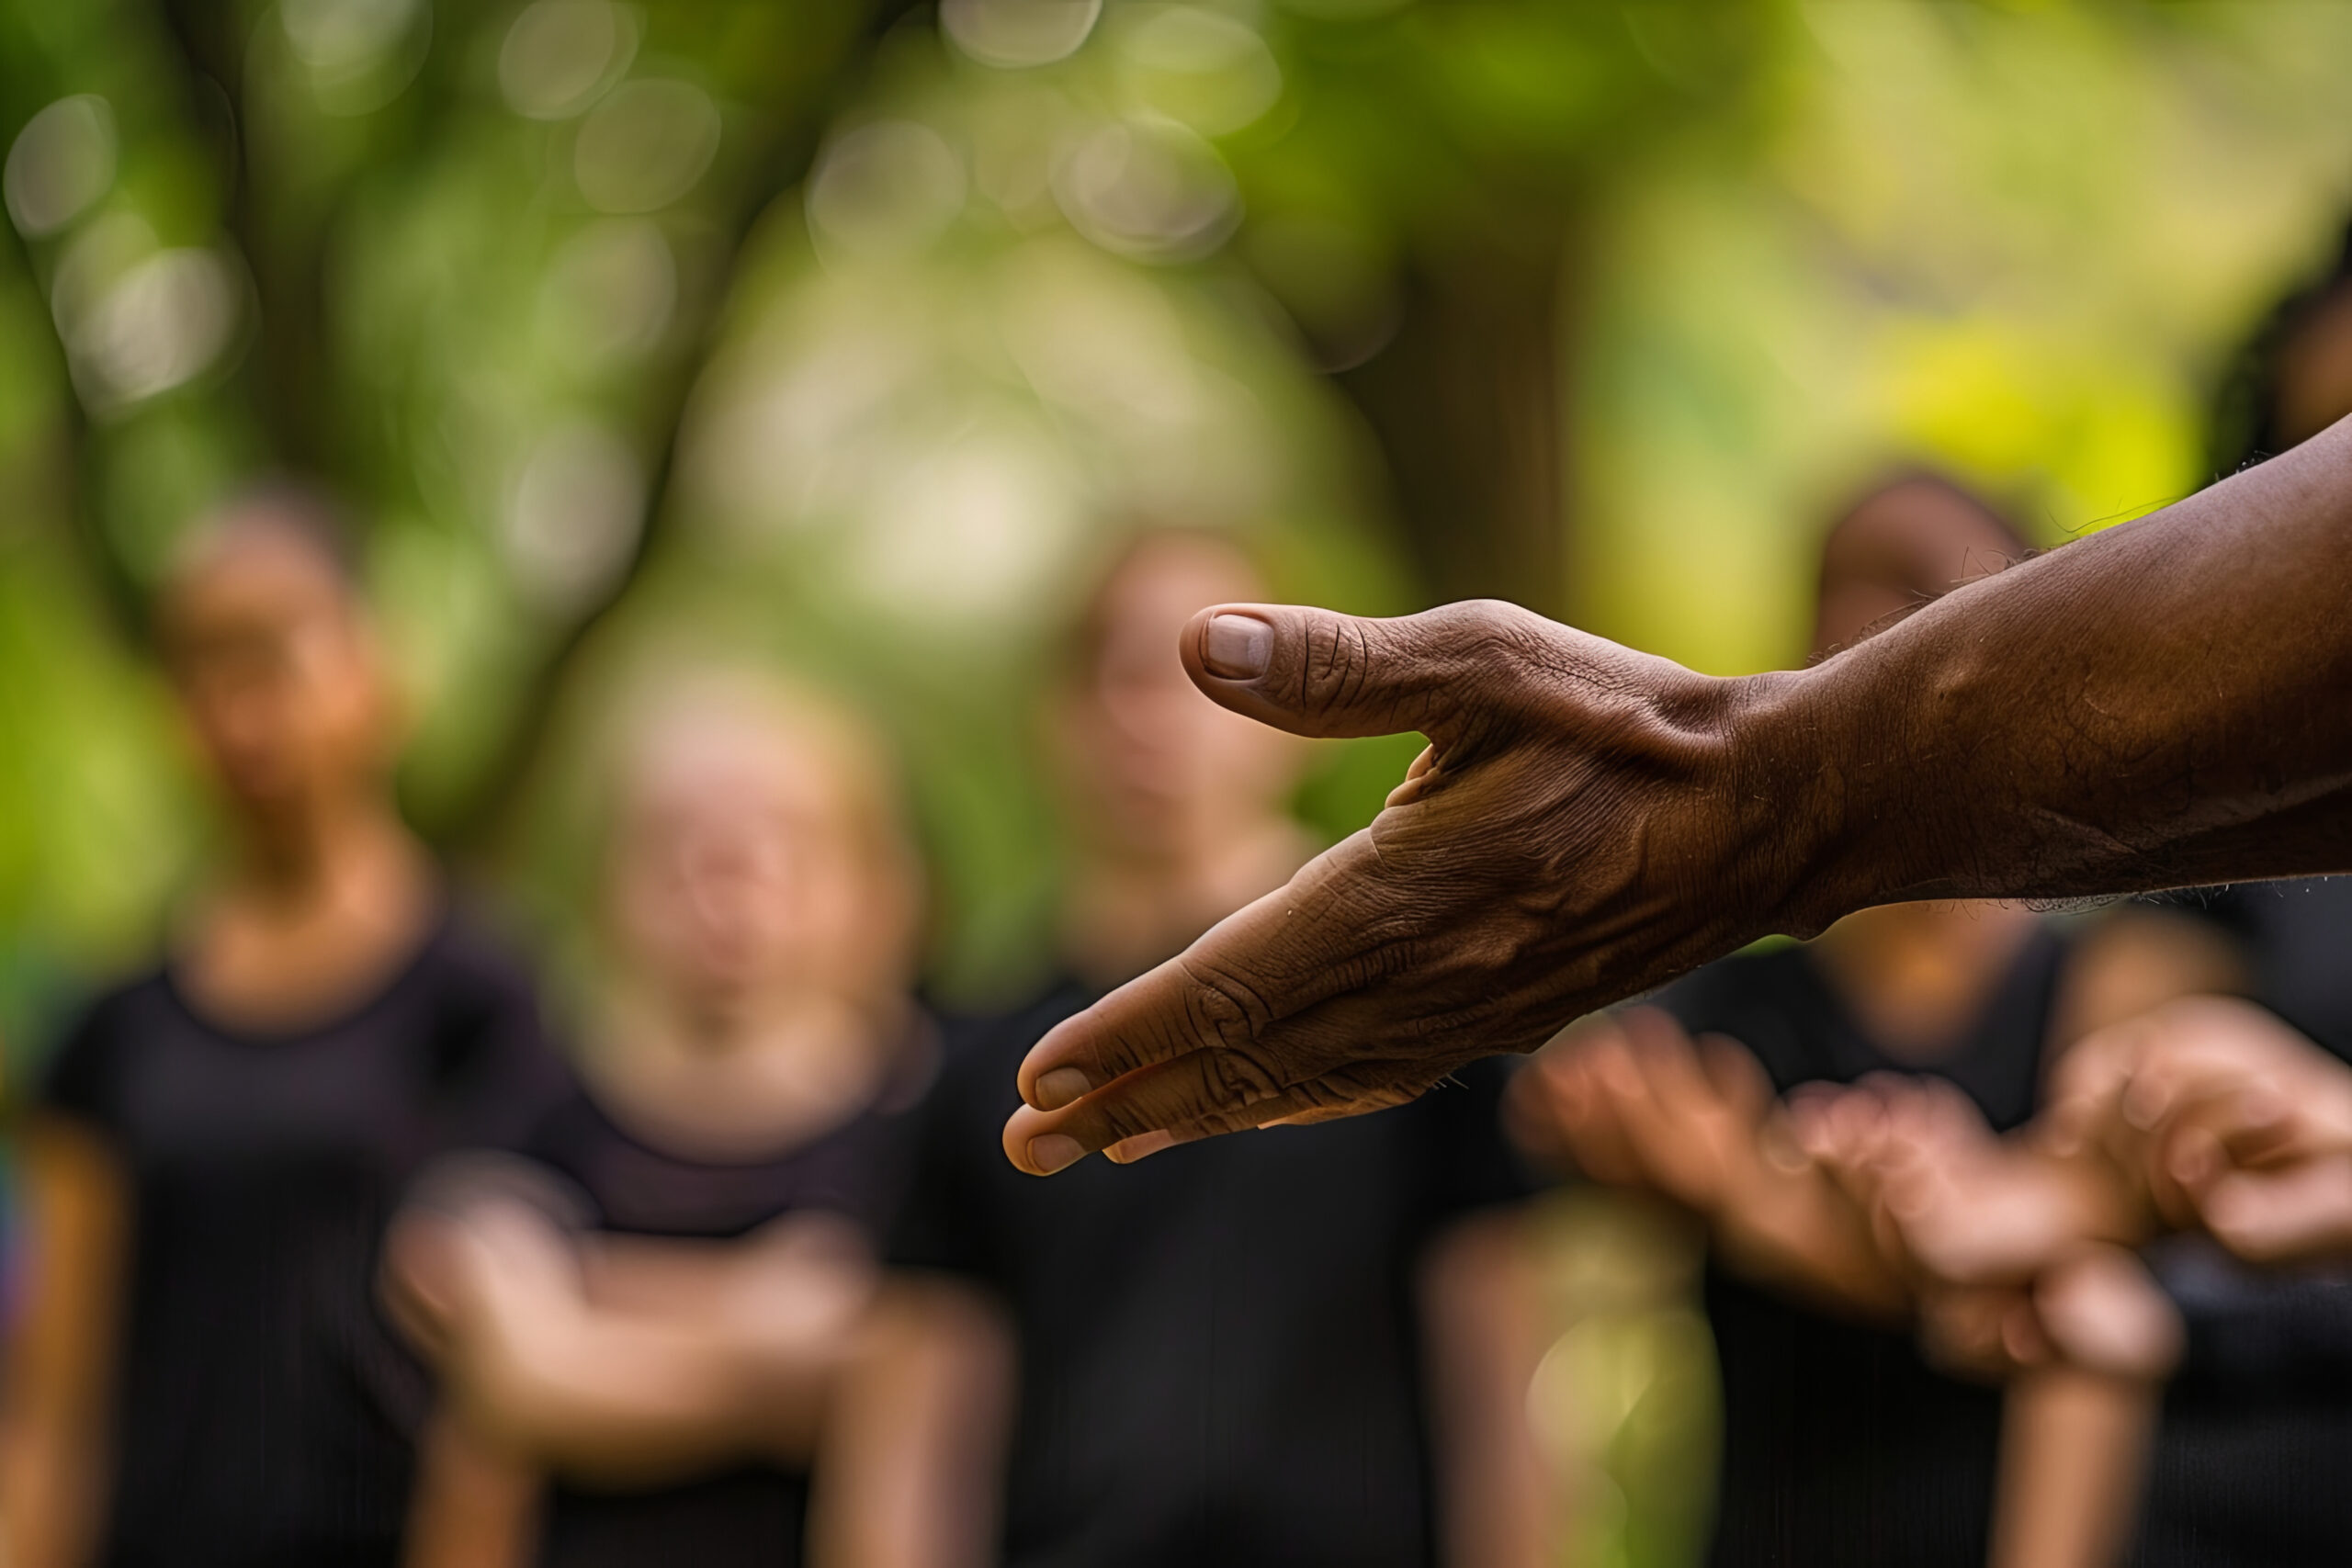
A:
{"x":632,"y":1362}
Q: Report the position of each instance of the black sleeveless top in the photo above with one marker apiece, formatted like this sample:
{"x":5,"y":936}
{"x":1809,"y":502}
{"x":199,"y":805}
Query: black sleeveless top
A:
{"x":753,"y":1514}
{"x":265,"y":1407}
{"x":1843,"y":1449}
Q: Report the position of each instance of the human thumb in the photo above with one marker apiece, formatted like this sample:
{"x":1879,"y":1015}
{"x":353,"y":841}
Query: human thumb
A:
{"x":1321,"y":674}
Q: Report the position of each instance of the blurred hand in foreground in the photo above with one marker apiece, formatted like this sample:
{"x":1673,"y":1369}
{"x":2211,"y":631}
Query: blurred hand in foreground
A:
{"x":2015,"y":1256}
{"x":2230,"y":1120}
{"x":1632,"y":1101}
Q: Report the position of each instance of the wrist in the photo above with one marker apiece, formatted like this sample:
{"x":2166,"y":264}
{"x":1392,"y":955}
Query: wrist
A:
{"x":1796,"y":782}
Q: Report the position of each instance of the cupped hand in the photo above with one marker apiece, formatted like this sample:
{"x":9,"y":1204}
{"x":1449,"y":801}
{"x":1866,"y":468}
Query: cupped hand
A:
{"x":2236,"y":1124}
{"x":1631,"y":1100}
{"x":2012,"y":1253}
{"x":1951,"y":1202}
{"x":2096,"y":1308}
{"x":1581,"y":827}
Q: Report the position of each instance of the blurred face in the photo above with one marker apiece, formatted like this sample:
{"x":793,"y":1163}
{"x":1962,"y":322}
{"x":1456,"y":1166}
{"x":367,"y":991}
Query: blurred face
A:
{"x":1850,"y":612}
{"x":2315,"y":372}
{"x":277,"y":675}
{"x":736,"y":873}
{"x":1156,"y":767}
{"x":1938,"y":540}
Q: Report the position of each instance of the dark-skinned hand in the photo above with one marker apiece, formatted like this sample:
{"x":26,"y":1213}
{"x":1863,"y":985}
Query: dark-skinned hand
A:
{"x":1577,"y":800}
{"x":2157,"y":705}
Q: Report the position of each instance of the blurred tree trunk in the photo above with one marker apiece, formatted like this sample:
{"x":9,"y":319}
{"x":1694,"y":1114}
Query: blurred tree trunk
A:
{"x":787,"y":134}
{"x":1465,"y":402}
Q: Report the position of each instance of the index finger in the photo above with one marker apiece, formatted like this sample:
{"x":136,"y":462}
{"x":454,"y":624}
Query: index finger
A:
{"x":1247,"y":973}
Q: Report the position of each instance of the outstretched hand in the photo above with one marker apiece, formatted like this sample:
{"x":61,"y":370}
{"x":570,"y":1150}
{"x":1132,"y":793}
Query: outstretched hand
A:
{"x":1544,"y":857}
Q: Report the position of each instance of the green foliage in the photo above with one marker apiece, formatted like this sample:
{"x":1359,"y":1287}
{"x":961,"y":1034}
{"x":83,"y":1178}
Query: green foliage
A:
{"x":730,"y":328}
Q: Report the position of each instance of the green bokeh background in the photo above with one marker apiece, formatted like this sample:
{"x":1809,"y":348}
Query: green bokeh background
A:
{"x":852,"y":336}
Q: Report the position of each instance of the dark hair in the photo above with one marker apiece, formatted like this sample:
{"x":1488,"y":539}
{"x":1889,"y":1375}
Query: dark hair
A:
{"x":2246,"y":428}
{"x":1918,"y":536}
{"x":1088,"y":630}
{"x":303,"y":515}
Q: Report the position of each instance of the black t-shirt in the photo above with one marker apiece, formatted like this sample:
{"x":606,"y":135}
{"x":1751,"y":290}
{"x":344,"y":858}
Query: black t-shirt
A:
{"x":266,"y":1408}
{"x":1841,"y":1447}
{"x":1219,"y":1355}
{"x":2249,"y":1461}
{"x":746,"y":1515}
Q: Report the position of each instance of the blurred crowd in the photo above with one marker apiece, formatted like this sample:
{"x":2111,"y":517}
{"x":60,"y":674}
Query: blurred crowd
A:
{"x":2028,"y":1234}
{"x":2025,"y":1231}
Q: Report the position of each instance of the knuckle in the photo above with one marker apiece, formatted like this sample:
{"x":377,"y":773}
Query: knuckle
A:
{"x":1228,"y":1008}
{"x":1237,"y":1078}
{"x":1123,"y":1119}
{"x":1216,"y":1123}
{"x":1492,"y":634}
{"x":1337,"y":661}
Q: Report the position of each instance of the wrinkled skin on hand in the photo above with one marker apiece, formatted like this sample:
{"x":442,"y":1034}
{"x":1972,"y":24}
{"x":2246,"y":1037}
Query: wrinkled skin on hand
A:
{"x":1542,"y":859}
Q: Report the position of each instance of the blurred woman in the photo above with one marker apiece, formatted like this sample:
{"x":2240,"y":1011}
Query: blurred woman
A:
{"x":200,"y":1374}
{"x":638,"y":1331}
{"x":1841,"y":1444}
{"x":1309,"y":1346}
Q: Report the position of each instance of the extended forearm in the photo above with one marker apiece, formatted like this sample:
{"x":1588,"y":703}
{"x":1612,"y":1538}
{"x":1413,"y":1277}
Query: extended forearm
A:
{"x":635,"y":1400}
{"x":59,"y":1356}
{"x":1806,"y":1239}
{"x":2167,"y":703}
{"x":2074,"y":1457}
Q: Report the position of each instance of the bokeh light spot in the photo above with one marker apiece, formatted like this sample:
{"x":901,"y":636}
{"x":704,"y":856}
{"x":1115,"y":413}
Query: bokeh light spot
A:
{"x":341,"y":38}
{"x":163,"y":324}
{"x":357,"y":54}
{"x":62,"y":164}
{"x":1149,"y":188}
{"x":886,"y":190}
{"x":645,"y":145}
{"x":577,"y":508}
{"x":1208,"y":71}
{"x":1013,"y":33}
{"x":609,"y":293}
{"x":560,"y":54}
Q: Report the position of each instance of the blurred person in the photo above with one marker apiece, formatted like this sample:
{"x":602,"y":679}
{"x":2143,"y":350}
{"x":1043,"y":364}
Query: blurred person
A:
{"x":2207,"y":1116}
{"x":2261,"y":1407}
{"x":1842,"y":1444}
{"x":2293,"y":381}
{"x":198,"y":1373}
{"x":638,"y":1331}
{"x":1308,"y":1347}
